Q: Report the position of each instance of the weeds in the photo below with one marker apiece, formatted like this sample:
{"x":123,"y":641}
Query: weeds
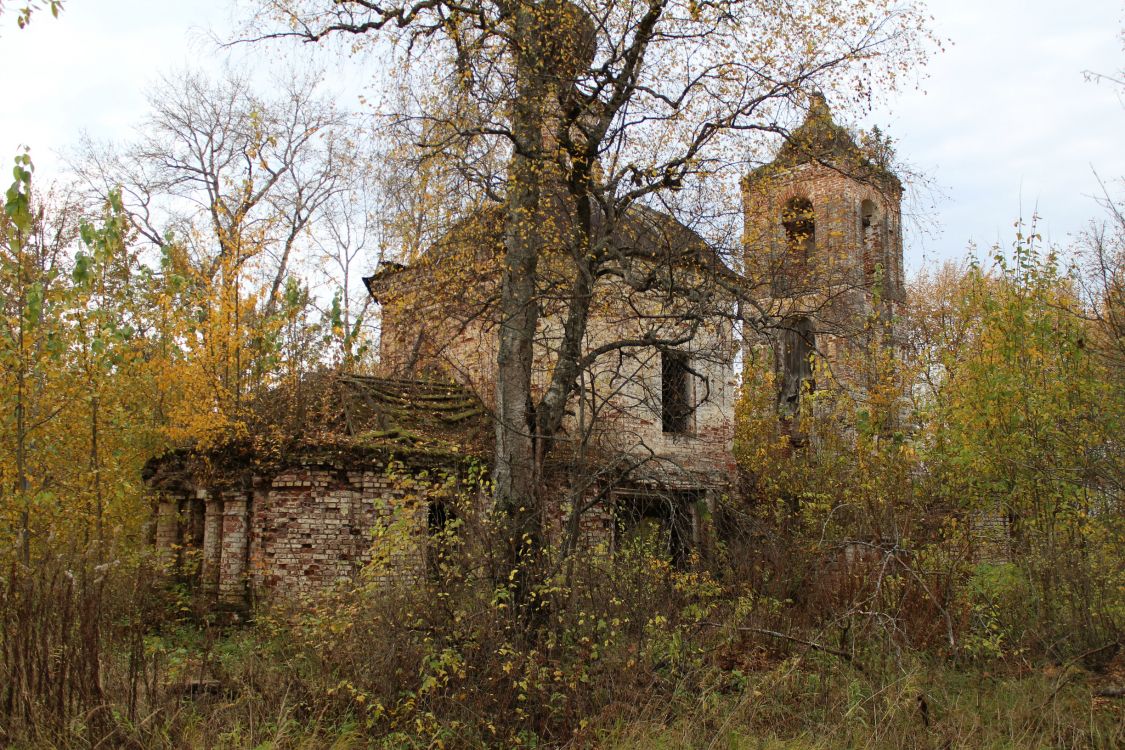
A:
{"x":628,"y":651}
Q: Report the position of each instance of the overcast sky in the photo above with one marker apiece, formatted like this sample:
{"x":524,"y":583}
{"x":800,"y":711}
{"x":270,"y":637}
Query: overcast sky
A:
{"x":1004,"y":123}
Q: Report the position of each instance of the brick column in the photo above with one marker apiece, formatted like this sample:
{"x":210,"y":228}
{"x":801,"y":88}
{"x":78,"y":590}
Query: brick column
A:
{"x":234,"y":545}
{"x":212,"y":543}
{"x":168,"y":529}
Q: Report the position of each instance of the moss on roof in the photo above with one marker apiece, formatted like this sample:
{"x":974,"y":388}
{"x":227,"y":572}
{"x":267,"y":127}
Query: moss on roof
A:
{"x":416,"y":413}
{"x":344,"y":420}
{"x":820,"y":140}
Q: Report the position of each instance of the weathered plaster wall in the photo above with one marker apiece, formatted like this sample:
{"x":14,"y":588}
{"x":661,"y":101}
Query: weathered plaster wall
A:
{"x":625,"y":390}
{"x":620,"y":399}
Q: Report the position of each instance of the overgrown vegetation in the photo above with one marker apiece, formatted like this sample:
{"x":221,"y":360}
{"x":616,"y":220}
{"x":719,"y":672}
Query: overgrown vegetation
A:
{"x":932,"y":560}
{"x":852,"y":597}
{"x":631,"y":653}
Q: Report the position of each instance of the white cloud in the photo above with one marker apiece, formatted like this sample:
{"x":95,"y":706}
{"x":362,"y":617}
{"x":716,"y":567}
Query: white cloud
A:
{"x":1008,"y":124}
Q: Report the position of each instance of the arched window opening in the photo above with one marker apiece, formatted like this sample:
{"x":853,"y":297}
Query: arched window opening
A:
{"x":675,"y":392}
{"x":800,"y":232}
{"x":798,"y":343}
{"x":869,"y":228}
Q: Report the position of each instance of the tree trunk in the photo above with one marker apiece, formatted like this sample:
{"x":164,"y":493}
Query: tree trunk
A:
{"x":514,"y":475}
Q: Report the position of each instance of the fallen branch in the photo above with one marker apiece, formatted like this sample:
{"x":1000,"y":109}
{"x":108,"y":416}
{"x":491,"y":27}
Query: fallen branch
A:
{"x":1066,"y":673}
{"x":811,"y":644}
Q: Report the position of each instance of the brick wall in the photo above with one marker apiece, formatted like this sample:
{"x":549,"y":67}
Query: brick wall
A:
{"x":840,"y":238}
{"x":307,"y":526}
{"x":316,"y":527}
{"x":302,"y":527}
{"x":595,"y":526}
{"x":857,"y":232}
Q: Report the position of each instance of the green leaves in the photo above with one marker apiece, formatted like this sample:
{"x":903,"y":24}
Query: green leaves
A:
{"x":81,"y":272}
{"x":1025,"y":433}
{"x":33,"y":307}
{"x":294,"y":297}
{"x":77,"y":417}
{"x":17,"y":205}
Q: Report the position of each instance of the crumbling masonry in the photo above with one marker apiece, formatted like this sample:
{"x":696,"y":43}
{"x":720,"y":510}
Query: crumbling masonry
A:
{"x":822,"y":225}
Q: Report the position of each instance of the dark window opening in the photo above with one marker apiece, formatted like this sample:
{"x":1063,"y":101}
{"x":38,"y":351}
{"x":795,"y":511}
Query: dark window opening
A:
{"x":800,"y":233}
{"x":870,"y":228}
{"x":440,"y":527}
{"x":658,"y":525}
{"x":192,"y":521}
{"x":675,"y":392}
{"x":197,"y":523}
{"x":798,"y":343}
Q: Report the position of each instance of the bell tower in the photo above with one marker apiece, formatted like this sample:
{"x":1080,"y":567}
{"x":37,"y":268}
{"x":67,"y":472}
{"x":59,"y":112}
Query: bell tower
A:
{"x":823,"y":251}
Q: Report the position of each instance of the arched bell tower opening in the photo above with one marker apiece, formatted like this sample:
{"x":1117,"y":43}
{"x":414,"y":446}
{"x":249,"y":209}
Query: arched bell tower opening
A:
{"x":799,"y":222}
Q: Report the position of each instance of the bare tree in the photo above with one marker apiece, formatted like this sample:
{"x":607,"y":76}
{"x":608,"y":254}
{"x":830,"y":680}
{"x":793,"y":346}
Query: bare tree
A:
{"x":230,"y":172}
{"x":236,"y":181}
{"x":1102,"y":252}
{"x":346,"y":241}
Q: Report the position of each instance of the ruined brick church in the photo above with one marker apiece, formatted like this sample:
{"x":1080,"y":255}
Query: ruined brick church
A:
{"x":649,"y":435}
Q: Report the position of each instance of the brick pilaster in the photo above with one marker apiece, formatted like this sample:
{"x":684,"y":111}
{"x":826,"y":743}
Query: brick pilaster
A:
{"x":234,"y":546}
{"x":212,"y":543}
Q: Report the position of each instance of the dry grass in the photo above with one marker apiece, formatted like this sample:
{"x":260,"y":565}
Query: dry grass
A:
{"x":629,"y":653}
